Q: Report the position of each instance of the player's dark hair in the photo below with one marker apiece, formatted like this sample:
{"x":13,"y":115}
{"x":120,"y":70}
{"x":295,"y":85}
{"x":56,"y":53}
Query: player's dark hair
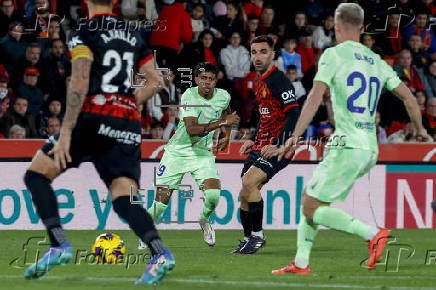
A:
{"x":204,"y":32}
{"x":205,"y":67}
{"x":34,"y":45}
{"x":263,"y":38}
{"x":102,"y":2}
{"x":199,"y":5}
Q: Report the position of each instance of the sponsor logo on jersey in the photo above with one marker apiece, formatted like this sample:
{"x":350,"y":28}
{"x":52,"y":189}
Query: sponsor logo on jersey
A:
{"x":122,"y":136}
{"x":264,"y":93}
{"x":99,"y":100}
{"x":365,"y":125}
{"x":288,"y":96}
{"x":263,"y":111}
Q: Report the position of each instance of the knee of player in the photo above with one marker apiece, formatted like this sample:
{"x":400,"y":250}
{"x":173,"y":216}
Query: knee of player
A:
{"x":248,"y":185}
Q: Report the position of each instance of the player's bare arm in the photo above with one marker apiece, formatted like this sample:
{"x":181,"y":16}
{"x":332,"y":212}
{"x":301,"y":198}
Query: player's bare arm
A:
{"x":195,"y":129}
{"x":79,"y":85}
{"x":404,"y":94}
{"x":152,"y":85}
{"x":224,"y":142}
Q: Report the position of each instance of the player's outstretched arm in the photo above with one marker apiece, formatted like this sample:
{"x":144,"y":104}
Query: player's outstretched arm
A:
{"x":152,"y":85}
{"x":76,"y":92}
{"x":403,"y":92}
{"x":195,"y":129}
{"x":224,"y":142}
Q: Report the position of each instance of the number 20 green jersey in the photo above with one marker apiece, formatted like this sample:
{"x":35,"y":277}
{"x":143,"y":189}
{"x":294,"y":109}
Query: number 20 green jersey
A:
{"x":356,"y":77}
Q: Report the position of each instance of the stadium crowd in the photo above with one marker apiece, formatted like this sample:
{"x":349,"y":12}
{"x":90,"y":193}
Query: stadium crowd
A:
{"x":35,"y":65}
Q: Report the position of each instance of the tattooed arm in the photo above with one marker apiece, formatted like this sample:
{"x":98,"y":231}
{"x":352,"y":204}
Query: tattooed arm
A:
{"x":76,"y":92}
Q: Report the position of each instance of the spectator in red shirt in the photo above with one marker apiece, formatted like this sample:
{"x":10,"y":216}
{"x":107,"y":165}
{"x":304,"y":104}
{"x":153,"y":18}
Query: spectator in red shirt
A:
{"x":173,"y":28}
{"x":429,"y":119}
{"x":307,"y":50}
{"x":200,"y":51}
{"x":430,"y":5}
{"x":405,"y":68}
{"x":252,"y":29}
{"x":266,"y":20}
{"x":253,"y":7}
{"x":392,"y":41}
{"x":5,"y":94}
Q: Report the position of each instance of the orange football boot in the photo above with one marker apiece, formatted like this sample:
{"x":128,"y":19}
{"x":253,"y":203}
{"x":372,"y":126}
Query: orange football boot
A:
{"x":376,"y":246}
{"x":292,"y":269}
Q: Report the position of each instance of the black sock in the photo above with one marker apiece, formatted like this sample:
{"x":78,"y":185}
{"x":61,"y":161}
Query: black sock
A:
{"x":246,"y":222}
{"x":140,"y":222}
{"x":46,"y":205}
{"x":255,"y":210}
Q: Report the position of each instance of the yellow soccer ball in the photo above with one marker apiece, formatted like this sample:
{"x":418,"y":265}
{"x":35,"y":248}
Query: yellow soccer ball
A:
{"x":108,"y":248}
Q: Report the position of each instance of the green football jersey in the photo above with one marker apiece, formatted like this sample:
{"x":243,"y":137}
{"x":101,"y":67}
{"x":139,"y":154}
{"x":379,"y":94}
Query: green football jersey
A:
{"x":183,"y":145}
{"x":356,"y":77}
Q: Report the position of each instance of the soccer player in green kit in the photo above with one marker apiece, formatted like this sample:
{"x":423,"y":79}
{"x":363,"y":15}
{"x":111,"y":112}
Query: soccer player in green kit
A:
{"x":190,"y":148}
{"x":355,"y":76}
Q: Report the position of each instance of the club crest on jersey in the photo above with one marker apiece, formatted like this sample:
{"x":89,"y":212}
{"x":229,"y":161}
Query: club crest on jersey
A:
{"x":99,"y":100}
{"x":264,"y":93}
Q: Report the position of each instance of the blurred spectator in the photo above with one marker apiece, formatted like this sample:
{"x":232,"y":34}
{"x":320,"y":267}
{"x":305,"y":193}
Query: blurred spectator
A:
{"x":54,"y":109}
{"x":53,"y":33}
{"x":116,"y":9}
{"x":208,"y":11}
{"x":405,"y":68}
{"x":156,"y":131}
{"x":5,"y":94}
{"x":17,"y":132}
{"x":307,"y":50}
{"x":235,"y":58}
{"x":53,"y":125}
{"x":219,"y":8}
{"x":407,"y":7}
{"x":323,"y":35}
{"x":252,"y":29}
{"x":391,"y":41}
{"x":421,"y":99}
{"x":431,"y":76}
{"x":19,"y":115}
{"x":420,"y":57}
{"x":12,"y":47}
{"x":172,"y":115}
{"x":178,"y":30}
{"x":39,"y":20}
{"x":198,"y":22}
{"x":8,"y":14}
{"x":54,"y":70}
{"x":169,"y":93}
{"x":289,"y":56}
{"x":224,"y":26}
{"x":134,"y":9}
{"x":430,"y":6}
{"x":429,"y":118}
{"x":291,"y":73}
{"x":31,"y":58}
{"x":380,"y":131}
{"x":266,"y":24}
{"x":405,"y":135}
{"x":369,"y":41}
{"x":253,"y":7}
{"x":244,"y":132}
{"x":202,"y":50}
{"x":27,"y":89}
{"x":422,"y":27}
{"x":315,"y":11}
{"x":296,"y":28}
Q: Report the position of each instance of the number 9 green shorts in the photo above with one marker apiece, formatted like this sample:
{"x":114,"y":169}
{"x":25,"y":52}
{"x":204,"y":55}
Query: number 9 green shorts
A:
{"x":336,"y":174}
{"x":172,"y":169}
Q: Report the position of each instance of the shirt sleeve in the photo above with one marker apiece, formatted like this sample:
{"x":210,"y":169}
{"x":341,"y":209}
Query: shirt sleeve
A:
{"x":186,"y":109}
{"x":284,"y":91}
{"x":391,"y":77}
{"x":327,"y":67}
{"x":77,"y":45}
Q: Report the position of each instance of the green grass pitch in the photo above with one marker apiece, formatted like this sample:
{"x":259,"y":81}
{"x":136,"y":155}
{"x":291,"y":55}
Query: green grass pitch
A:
{"x":335,"y":262}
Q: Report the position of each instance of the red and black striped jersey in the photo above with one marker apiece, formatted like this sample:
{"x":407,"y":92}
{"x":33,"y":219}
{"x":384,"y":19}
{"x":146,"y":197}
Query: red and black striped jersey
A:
{"x":117,"y":50}
{"x":275,"y":95}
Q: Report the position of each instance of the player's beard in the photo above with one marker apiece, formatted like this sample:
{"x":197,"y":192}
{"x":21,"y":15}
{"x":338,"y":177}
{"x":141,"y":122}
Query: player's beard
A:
{"x":263,"y":69}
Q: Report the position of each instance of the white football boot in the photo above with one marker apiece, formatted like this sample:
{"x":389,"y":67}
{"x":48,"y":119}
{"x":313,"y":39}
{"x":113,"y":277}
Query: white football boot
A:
{"x":142,"y":245}
{"x":208,"y":232}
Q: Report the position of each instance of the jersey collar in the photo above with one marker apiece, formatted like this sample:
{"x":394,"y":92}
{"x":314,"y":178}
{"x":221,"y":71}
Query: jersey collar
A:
{"x":268,"y":73}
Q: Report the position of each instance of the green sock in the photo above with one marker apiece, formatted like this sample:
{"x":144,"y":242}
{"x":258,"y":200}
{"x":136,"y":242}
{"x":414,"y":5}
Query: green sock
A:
{"x":338,"y":220}
{"x":212,"y":197}
{"x":160,"y":209}
{"x":305,"y":236}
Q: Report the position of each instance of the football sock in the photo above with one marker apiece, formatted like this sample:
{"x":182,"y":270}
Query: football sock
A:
{"x":246,"y":223}
{"x":339,"y":220}
{"x":212,"y":197}
{"x":140,"y":222}
{"x":46,"y":204}
{"x":305,"y":235}
{"x":255,"y":210}
{"x":160,"y":209}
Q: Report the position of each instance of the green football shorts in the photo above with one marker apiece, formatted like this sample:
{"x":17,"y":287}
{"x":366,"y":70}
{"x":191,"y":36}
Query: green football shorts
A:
{"x":172,"y":169}
{"x":336,"y":174}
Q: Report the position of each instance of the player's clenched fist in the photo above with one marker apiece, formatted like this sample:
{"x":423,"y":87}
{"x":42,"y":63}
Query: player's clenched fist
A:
{"x":231,"y":119}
